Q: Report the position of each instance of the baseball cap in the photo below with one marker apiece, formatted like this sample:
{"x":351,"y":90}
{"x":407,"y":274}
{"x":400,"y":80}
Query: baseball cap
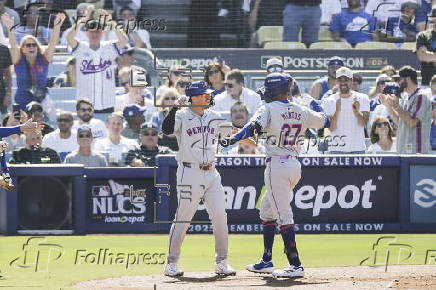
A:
{"x":84,"y":129}
{"x":148,"y":126}
{"x":344,"y":72}
{"x":197,"y":88}
{"x":336,"y":60}
{"x":392,"y":88}
{"x":274,"y":61}
{"x":133,"y":110}
{"x":30,"y":106}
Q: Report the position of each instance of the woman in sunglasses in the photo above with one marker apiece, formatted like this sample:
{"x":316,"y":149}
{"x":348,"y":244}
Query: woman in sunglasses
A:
{"x":31,"y":65}
{"x":382,"y":137}
{"x":182,"y":83}
{"x":214,"y":77}
{"x":174,"y":73}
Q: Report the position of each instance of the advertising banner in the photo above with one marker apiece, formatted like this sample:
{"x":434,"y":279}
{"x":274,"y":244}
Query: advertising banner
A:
{"x":296,"y":59}
{"x":344,"y":194}
{"x":120,"y":201}
{"x":423,"y":194}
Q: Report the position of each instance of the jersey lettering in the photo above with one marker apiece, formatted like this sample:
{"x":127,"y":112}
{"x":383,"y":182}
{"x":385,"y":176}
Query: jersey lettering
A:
{"x":290,"y":133}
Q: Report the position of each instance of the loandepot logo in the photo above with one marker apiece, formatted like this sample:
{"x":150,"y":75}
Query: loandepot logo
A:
{"x":193,"y":63}
{"x":425,"y":193}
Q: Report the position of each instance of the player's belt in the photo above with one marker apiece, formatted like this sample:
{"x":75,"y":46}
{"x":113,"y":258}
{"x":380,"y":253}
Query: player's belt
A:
{"x":204,"y":166}
{"x":268,"y":159}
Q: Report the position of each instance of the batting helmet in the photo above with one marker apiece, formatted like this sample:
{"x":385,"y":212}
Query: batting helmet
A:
{"x":197,"y":89}
{"x":276,"y":84}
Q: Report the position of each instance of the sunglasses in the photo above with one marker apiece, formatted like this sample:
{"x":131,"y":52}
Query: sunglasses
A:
{"x":84,"y":136}
{"x":38,"y":109}
{"x":275,"y":68}
{"x":150,"y":134}
{"x":65,"y":120}
{"x":212,"y":72}
{"x":31,"y":44}
{"x":172,"y":98}
{"x":85,"y":110}
{"x":229,"y":86}
{"x":381,"y":124}
{"x":183,"y":84}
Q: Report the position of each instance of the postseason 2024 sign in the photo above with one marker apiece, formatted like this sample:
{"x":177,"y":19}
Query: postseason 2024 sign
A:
{"x":295,"y":59}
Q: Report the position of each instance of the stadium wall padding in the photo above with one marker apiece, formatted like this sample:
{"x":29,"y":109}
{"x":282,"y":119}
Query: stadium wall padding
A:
{"x":337,"y":194}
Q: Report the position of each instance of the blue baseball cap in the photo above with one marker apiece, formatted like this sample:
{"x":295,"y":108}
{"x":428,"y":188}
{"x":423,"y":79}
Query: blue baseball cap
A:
{"x":197,"y":88}
{"x":336,"y":60}
{"x":392,"y":88}
{"x":133,"y":110}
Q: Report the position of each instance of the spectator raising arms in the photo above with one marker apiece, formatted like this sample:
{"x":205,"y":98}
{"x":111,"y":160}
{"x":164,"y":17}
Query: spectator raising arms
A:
{"x":31,"y":65}
{"x":95,"y":62}
{"x":382,"y":137}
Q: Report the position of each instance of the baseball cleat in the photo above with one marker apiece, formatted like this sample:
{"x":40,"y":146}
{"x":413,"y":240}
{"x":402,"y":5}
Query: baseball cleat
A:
{"x":222,"y":268}
{"x":291,"y":272}
{"x":261,"y":267}
{"x":171,"y":270}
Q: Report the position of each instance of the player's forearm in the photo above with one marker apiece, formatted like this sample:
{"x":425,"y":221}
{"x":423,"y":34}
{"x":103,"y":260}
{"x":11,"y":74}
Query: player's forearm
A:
{"x":7,"y":131}
{"x":169,"y":122}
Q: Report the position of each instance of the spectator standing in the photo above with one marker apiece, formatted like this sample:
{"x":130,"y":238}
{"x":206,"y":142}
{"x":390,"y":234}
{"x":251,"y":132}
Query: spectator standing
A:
{"x":275,"y":64}
{"x":12,"y":13}
{"x":118,"y":5}
{"x":322,"y":85}
{"x":30,"y":26}
{"x":236,"y":91}
{"x":114,"y":144}
{"x":236,"y":13}
{"x":134,"y":116}
{"x":382,"y":10}
{"x":85,"y":155}
{"x":45,"y":16}
{"x":304,"y":16}
{"x":165,"y":103}
{"x":382,"y":137}
{"x":146,"y":154}
{"x":67,"y":78}
{"x":35,"y":111}
{"x":265,"y":13}
{"x":85,"y":113}
{"x":182,"y":83}
{"x":413,"y":115}
{"x":329,"y":8}
{"x":138,"y":37}
{"x":96,"y":64}
{"x":425,"y":50}
{"x":62,"y":140}
{"x":203,"y":24}
{"x":353,"y":24}
{"x":424,"y":9}
{"x":349,"y":111}
{"x":33,"y":153}
{"x":174,"y":73}
{"x":31,"y":65}
{"x":214,"y":76}
{"x":5,"y":78}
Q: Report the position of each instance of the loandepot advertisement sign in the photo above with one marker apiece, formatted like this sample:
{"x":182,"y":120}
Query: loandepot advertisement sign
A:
{"x":423,"y":193}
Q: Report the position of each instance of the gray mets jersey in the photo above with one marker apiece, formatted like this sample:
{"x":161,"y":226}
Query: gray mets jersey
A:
{"x":197,"y":136}
{"x":415,"y":140}
{"x":285,"y":123}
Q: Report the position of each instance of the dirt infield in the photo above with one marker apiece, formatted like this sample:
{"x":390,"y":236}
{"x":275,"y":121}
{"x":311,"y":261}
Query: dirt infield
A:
{"x":396,"y":277}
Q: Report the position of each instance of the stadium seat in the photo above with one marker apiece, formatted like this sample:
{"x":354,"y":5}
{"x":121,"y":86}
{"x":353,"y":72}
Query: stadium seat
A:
{"x":268,"y":34}
{"x":324,"y":34}
{"x":408,"y":46}
{"x":330,"y":45}
{"x":284,"y":45}
{"x":376,"y":45}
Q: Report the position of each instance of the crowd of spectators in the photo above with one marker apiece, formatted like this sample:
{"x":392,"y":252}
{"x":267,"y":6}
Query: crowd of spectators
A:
{"x":117,"y":123}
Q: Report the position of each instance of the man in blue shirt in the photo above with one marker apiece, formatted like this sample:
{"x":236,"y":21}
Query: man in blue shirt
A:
{"x":353,"y":24}
{"x":402,"y":28}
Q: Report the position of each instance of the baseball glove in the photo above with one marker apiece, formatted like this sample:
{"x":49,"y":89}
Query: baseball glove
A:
{"x":6,"y":183}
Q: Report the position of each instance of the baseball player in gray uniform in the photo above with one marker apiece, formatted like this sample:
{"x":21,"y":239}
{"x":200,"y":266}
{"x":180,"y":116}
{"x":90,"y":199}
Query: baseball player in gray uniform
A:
{"x":197,"y":129}
{"x":412,"y":114}
{"x":285,"y":123}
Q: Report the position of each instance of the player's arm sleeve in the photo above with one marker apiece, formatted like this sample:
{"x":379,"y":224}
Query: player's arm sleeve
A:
{"x":256,"y":124}
{"x":171,"y":124}
{"x":7,"y":131}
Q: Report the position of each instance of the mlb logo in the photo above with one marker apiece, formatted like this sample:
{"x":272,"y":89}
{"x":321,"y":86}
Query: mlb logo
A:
{"x":102,"y":190}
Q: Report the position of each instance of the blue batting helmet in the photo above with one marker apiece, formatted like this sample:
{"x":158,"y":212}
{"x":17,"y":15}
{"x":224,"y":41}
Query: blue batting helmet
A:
{"x":199,"y":88}
{"x":276,"y":84}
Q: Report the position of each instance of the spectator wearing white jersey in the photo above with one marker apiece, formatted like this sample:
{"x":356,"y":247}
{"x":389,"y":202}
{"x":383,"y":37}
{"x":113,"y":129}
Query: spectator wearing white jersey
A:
{"x":63,"y":139}
{"x":85,"y":113}
{"x":96,"y":62}
{"x":115,"y":145}
{"x":349,"y":111}
{"x":236,"y":91}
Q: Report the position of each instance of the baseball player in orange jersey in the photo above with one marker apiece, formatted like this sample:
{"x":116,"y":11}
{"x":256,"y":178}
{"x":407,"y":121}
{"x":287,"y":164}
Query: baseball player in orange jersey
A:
{"x":284,"y":123}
